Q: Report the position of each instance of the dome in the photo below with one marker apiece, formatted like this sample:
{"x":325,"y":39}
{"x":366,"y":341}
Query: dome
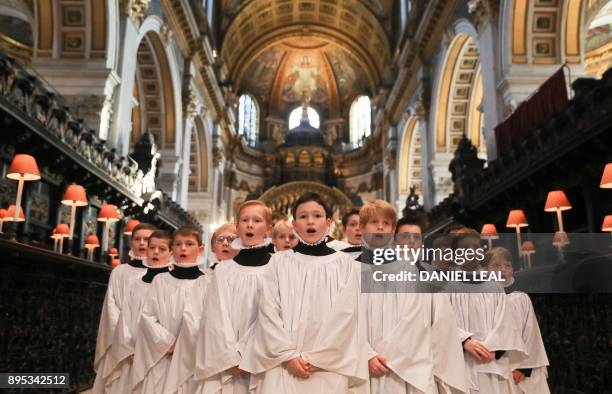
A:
{"x":304,"y":134}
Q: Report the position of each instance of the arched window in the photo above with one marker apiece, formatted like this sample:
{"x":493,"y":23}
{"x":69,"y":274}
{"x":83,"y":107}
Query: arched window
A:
{"x":360,"y":120}
{"x":296,"y":116}
{"x":248,"y":119}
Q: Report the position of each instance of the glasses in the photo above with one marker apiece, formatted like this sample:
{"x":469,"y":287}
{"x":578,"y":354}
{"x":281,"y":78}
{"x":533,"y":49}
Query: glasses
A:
{"x":222,"y":239}
{"x":409,"y":236}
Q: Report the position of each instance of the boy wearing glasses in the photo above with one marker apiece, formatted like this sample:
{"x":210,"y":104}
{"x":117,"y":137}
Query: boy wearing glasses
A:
{"x":221,"y":244}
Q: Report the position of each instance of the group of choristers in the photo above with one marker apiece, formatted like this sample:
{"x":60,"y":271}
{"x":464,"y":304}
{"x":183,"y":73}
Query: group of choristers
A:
{"x":291,"y":316}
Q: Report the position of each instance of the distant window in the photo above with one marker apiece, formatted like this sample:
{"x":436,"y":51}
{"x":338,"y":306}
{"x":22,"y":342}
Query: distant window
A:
{"x":296,"y":115}
{"x":248,"y":119}
{"x":360,"y":120}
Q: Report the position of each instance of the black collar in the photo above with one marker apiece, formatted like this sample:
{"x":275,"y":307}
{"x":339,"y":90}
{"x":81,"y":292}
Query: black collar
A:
{"x":186,"y":272}
{"x":329,"y":238}
{"x":352,"y":249}
{"x":318,"y":250}
{"x":254,"y":257}
{"x":270,"y":248}
{"x":511,"y":288}
{"x":136,"y":263}
{"x":152,"y":272}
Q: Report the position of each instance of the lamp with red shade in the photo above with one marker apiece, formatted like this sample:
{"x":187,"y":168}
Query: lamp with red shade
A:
{"x":91,"y":243}
{"x":11,"y":214}
{"x":74,"y":197}
{"x":129,"y":227}
{"x":528,"y":248}
{"x":55,"y":237}
{"x":3,"y":218}
{"x":23,"y":168}
{"x":108,"y":214}
{"x":63,"y":231}
{"x":517,"y":219}
{"x":557,"y":202}
{"x":606,"y":177}
{"x":489,"y":232}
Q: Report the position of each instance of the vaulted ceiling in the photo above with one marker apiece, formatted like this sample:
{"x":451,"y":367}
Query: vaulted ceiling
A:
{"x":281,"y":75}
{"x":331,"y":50}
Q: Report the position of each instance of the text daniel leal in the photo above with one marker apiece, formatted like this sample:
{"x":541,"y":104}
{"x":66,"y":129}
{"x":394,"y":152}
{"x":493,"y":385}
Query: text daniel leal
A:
{"x":437,"y":276}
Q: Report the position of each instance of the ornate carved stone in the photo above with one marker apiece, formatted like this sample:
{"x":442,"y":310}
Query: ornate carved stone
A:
{"x":412,"y":204}
{"x":278,"y":135}
{"x":190,"y":103}
{"x":464,"y":166}
{"x":481,"y":11}
{"x":218,"y":156}
{"x":135,"y":9}
{"x":165,"y":34}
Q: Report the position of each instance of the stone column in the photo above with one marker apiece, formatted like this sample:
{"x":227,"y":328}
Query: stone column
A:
{"x":131,"y":16}
{"x":484,"y":16}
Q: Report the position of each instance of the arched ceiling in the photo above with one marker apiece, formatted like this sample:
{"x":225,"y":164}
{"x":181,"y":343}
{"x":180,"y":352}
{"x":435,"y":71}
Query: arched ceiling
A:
{"x":277,"y":48}
{"x":327,"y":73}
{"x":382,"y":8}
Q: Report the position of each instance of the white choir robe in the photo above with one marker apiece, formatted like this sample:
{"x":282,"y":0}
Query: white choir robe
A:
{"x":160,"y":324}
{"x":180,"y":376}
{"x":449,"y":364}
{"x":117,"y":376}
{"x":118,"y":282}
{"x":310,"y":307}
{"x":487,"y":317}
{"x":230,"y":314}
{"x":398,"y":323}
{"x":338,"y":245}
{"x":530,"y":331}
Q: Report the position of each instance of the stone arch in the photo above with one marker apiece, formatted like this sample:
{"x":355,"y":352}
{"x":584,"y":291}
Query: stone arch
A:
{"x":156,"y":92}
{"x":459,"y":96}
{"x":541,"y":32}
{"x":198,"y":158}
{"x":410,"y":159}
{"x":281,"y":198}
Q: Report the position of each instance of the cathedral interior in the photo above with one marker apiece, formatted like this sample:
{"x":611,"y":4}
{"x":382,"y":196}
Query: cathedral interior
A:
{"x":178,"y":111}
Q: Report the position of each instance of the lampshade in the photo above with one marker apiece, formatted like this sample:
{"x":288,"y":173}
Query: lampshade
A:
{"x":11,"y":213}
{"x":560,"y":238}
{"x":55,"y":235}
{"x":606,"y":178}
{"x":108,"y":213}
{"x":607,"y":223}
{"x":557,"y":200}
{"x":489,"y":231}
{"x":92,"y":241}
{"x":129,"y":227}
{"x":62,"y":229}
{"x":75,"y":195}
{"x":528,"y":247}
{"x":23,"y":165}
{"x":113,"y":252}
{"x":3,"y":215}
{"x":115,"y":262}
{"x":516,"y":218}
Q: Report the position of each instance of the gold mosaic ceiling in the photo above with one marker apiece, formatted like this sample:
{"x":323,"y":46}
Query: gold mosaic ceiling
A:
{"x":276,"y":49}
